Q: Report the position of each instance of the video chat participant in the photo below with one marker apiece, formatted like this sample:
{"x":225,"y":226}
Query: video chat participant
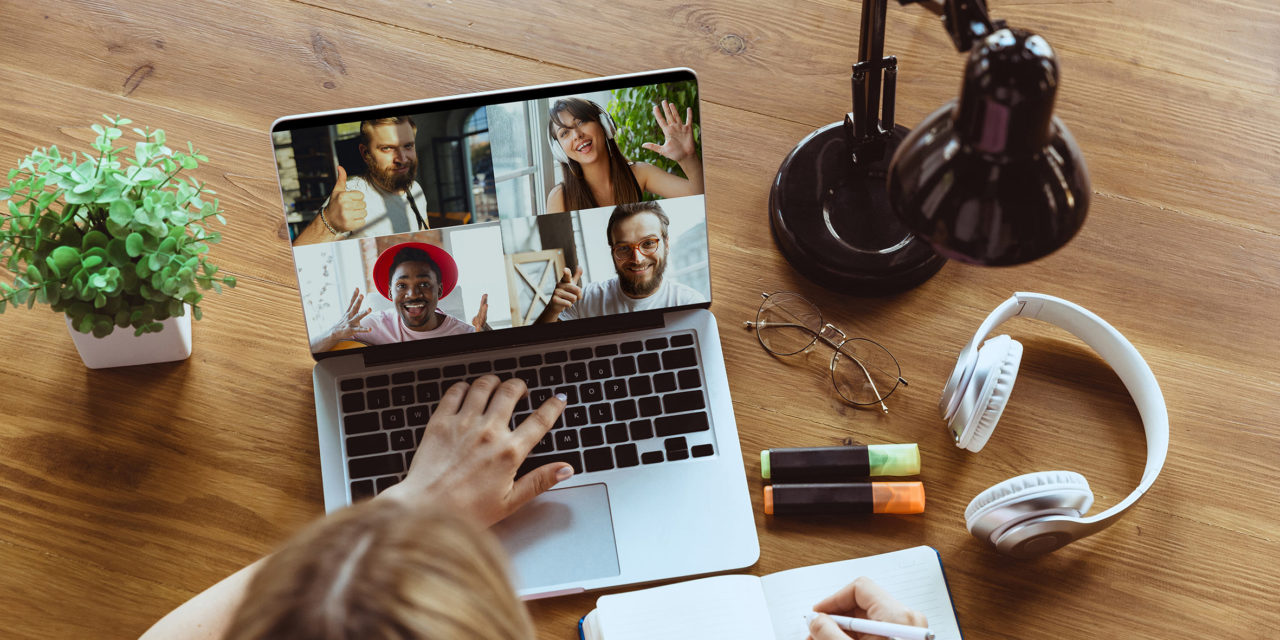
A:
{"x":638,"y":242}
{"x":386,"y":199}
{"x":415,"y":562}
{"x":414,"y":276}
{"x":597,"y":174}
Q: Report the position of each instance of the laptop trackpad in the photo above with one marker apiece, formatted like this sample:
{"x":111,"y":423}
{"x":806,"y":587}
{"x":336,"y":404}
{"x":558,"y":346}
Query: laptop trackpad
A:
{"x":562,"y":536}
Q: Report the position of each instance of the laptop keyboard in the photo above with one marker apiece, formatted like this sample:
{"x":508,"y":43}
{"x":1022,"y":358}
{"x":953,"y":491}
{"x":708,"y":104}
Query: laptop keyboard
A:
{"x":630,"y":403}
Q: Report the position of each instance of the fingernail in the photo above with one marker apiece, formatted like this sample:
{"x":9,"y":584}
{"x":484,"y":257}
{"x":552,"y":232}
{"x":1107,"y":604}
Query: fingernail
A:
{"x":563,"y":398}
{"x":564,"y":474}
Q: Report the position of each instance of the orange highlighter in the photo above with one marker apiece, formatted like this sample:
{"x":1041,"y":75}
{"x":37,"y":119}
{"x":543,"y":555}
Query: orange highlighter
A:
{"x":845,"y":498}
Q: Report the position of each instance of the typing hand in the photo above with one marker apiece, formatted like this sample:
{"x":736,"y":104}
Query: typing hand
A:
{"x":678,"y":144}
{"x":346,"y":209}
{"x":861,"y":598}
{"x":469,"y":455}
{"x":567,"y":291}
{"x":482,"y":315}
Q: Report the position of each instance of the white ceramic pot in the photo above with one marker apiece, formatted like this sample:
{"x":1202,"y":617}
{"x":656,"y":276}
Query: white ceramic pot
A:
{"x":121,"y":348}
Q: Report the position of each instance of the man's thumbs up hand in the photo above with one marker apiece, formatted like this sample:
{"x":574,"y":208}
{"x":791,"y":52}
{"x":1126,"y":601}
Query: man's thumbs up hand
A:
{"x":345,"y":210}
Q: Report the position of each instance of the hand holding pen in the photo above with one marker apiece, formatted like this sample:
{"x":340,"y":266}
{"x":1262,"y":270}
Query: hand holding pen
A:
{"x":865,"y":601}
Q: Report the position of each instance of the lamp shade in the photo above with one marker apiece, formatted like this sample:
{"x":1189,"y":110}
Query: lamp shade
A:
{"x":994,"y":178}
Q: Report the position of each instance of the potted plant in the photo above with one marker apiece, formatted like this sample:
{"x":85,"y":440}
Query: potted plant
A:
{"x":113,"y":241}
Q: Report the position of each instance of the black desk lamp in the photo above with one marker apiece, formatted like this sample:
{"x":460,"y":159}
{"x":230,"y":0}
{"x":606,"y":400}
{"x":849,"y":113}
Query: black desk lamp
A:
{"x":866,"y":207}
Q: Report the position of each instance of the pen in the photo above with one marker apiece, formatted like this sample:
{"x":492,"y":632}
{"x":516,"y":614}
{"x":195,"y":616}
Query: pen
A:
{"x":887,"y":629}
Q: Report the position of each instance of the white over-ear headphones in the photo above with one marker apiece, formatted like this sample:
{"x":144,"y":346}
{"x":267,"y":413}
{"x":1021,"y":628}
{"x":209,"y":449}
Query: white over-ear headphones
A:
{"x":606,"y":122}
{"x":1039,"y":512}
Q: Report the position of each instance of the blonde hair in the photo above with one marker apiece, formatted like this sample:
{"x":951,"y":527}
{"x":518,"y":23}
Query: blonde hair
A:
{"x":383,"y":571}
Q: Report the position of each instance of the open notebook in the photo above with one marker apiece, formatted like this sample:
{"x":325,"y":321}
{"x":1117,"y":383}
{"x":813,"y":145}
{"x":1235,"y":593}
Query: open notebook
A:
{"x":741,"y":607}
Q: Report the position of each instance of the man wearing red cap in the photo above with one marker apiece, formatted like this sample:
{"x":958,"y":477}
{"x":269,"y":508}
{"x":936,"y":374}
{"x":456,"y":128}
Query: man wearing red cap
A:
{"x":414,"y":276}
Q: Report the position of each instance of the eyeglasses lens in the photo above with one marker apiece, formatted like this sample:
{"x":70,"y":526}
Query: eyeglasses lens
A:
{"x":864,"y":372}
{"x":787,"y":323}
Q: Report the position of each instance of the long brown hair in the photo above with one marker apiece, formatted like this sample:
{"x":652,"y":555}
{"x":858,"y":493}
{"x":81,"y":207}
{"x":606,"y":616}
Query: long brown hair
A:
{"x":577,"y":194}
{"x":384,"y":571}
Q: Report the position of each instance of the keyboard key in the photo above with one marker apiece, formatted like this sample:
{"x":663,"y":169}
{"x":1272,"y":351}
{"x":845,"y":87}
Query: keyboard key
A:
{"x":445,"y":385}
{"x":504,"y":376}
{"x":393,"y":418}
{"x":352,"y":384}
{"x":522,"y":404}
{"x":655,"y":344}
{"x":539,"y":396}
{"x":598,"y":459}
{"x":479,"y":367}
{"x":531,"y":360}
{"x":402,"y":377}
{"x":676,"y":425}
{"x":650,"y":406}
{"x":378,"y":399}
{"x":624,"y":409}
{"x":683,"y":401}
{"x":429,"y":392}
{"x":367,"y":444}
{"x":664,"y":382}
{"x":702,"y":450}
{"x":641,"y":429}
{"x":625,"y":455}
{"x":361,"y":423}
{"x":382,"y":465}
{"x":408,"y":457}
{"x":614,"y":433}
{"x":648,"y":362}
{"x":689,"y":379}
{"x":386,"y":483}
{"x":606,"y":350}
{"x":614,"y":389}
{"x":533,"y":462}
{"x":566,"y":439}
{"x":678,"y":454}
{"x":583,"y":353}
{"x":417,"y":415}
{"x":575,"y":416}
{"x":624,"y":366}
{"x":504,"y":364}
{"x":429,"y":374}
{"x":352,"y":402}
{"x":599,"y":369}
{"x":591,"y":436}
{"x":651,"y":457}
{"x":634,"y":346}
{"x":682,"y":340}
{"x":639,"y":386}
{"x":600,"y":413}
{"x":455,"y":371}
{"x":546,"y":445}
{"x":361,"y":489}
{"x":551,"y":376}
{"x":575,"y":372}
{"x":417,"y":436}
{"x":402,"y":440}
{"x":570,"y":393}
{"x":591,"y":392}
{"x":556,"y":357}
{"x":680,"y":359}
{"x":377,"y":381}
{"x":401,"y":396}
{"x":530,"y":377}
{"x":678,"y":442}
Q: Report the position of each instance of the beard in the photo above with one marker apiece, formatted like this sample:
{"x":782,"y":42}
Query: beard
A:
{"x":643,"y":288}
{"x":389,"y":180}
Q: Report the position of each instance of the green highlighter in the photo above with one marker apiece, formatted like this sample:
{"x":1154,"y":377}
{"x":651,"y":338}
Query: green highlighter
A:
{"x":839,"y":464}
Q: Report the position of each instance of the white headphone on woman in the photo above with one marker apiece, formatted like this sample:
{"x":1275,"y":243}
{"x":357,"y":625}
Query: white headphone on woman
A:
{"x":606,"y":122}
{"x":1039,"y":512}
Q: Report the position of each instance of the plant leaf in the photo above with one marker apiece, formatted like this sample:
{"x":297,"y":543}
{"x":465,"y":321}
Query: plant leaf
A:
{"x":133,"y":245}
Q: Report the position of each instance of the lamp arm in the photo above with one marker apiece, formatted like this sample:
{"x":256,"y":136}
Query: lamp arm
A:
{"x":966,"y":21}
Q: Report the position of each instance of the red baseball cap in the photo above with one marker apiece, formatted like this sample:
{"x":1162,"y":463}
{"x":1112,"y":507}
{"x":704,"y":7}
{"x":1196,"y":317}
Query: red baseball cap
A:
{"x":448,"y":268}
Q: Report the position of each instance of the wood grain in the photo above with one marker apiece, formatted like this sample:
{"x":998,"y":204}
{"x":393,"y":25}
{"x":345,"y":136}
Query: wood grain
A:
{"x":125,"y":492}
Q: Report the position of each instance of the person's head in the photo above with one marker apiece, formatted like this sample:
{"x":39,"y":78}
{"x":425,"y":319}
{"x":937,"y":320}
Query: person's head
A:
{"x":637,"y":236}
{"x":381,"y":570}
{"x":575,"y":127}
{"x":415,"y":287}
{"x":387,"y":146}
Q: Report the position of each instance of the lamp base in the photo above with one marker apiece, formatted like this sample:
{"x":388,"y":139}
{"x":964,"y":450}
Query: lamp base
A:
{"x":831,"y":219}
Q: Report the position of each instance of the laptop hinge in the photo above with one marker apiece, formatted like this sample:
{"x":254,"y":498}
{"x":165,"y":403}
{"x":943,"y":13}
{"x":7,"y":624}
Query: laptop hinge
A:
{"x":506,"y":338}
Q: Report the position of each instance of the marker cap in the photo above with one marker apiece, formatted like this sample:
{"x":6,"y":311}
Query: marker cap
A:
{"x":898,"y":497}
{"x":765,"y":470}
{"x":894,"y":459}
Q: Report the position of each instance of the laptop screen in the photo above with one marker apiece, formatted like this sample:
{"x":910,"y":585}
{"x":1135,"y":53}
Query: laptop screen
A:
{"x":492,"y":212}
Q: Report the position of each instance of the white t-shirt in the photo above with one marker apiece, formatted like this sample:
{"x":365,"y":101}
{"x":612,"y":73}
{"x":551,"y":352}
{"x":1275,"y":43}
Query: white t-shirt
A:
{"x":605,"y":297}
{"x":388,"y":212}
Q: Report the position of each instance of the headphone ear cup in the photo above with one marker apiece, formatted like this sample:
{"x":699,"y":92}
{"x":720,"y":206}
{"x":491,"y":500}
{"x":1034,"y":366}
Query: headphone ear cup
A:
{"x":988,"y":391}
{"x":1017,"y":499}
{"x":606,"y":122}
{"x":557,"y":151}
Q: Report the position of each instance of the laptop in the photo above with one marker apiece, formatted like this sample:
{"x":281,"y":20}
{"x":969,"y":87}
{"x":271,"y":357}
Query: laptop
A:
{"x":467,"y":186}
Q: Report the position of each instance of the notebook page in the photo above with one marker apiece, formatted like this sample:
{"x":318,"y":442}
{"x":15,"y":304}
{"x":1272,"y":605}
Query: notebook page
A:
{"x":913,"y":576}
{"x":721,"y":607}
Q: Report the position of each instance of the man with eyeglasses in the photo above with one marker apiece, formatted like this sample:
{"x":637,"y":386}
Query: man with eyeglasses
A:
{"x":637,"y":235}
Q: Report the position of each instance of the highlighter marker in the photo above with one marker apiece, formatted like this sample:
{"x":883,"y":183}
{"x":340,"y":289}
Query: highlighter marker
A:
{"x":839,"y":464}
{"x":843,"y":498}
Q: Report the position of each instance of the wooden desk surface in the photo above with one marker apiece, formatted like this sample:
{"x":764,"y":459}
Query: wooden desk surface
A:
{"x":125,"y":492}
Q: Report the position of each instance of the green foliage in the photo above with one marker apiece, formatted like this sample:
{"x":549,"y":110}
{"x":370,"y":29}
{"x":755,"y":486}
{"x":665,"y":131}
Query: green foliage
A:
{"x":112,"y":240}
{"x":632,"y":111}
